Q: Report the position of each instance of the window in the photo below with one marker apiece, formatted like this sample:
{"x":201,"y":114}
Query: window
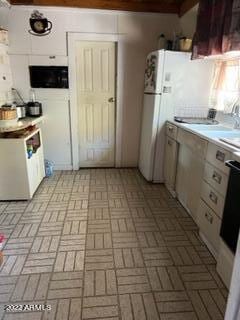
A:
{"x":226,"y":85}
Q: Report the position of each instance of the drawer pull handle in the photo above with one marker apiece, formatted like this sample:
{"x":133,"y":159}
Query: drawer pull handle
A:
{"x":217,"y":177}
{"x":213,"y":197}
{"x":220,"y":156}
{"x":169,"y":143}
{"x":170,"y":129}
{"x":209,"y":217}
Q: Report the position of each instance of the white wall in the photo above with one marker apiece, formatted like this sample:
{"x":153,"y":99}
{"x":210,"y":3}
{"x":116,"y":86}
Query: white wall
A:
{"x":139,"y":32}
{"x":188,"y":22}
{"x":5,"y":71}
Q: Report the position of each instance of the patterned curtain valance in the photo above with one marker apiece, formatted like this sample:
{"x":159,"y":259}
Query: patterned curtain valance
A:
{"x":218,"y":28}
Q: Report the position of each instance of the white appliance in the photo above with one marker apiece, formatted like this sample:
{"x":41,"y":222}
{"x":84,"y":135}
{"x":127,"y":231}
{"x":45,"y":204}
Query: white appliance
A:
{"x":172,"y":81}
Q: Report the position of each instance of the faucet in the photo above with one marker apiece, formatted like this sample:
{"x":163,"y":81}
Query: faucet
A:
{"x":237,"y":123}
{"x":236,"y":114}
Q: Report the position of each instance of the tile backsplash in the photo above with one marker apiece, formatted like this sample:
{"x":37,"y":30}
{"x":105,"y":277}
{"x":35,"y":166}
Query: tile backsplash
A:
{"x":202,"y":112}
{"x":193,"y":112}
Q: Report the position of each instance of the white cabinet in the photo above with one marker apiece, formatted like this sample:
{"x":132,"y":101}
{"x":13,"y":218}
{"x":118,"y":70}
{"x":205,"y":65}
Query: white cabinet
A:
{"x":48,"y":60}
{"x":209,"y":224}
{"x":170,"y":158}
{"x":5,"y":73}
{"x":21,"y":79}
{"x":56,"y":131}
{"x":19,"y":175}
{"x":216,"y":178}
{"x":171,"y":131}
{"x":213,"y":199}
{"x":214,"y":187}
{"x":190,"y":167}
{"x":217,"y":157}
{"x":170,"y":164}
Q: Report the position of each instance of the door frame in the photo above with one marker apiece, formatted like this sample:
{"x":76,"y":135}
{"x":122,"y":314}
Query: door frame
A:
{"x":72,"y":37}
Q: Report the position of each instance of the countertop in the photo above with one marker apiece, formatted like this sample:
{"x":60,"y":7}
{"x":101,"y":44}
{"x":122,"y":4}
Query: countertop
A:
{"x":213,"y":135}
{"x":22,"y":124}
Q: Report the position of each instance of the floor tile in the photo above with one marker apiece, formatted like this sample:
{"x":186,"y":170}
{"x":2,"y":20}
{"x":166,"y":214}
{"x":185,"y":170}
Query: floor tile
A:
{"x":105,"y":244}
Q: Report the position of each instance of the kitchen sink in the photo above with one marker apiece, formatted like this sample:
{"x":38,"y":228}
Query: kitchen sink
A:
{"x":232,"y":141}
{"x":221,"y":134}
{"x":197,"y":121}
{"x":215,"y":127}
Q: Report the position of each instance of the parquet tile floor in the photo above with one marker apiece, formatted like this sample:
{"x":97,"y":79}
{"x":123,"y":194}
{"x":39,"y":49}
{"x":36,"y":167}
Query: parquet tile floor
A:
{"x":105,"y":244}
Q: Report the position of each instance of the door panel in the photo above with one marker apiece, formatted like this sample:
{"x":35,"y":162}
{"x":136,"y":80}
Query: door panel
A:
{"x":96,"y":87}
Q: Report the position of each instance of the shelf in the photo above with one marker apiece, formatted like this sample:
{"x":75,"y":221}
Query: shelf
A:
{"x":33,"y":143}
{"x":22,"y":124}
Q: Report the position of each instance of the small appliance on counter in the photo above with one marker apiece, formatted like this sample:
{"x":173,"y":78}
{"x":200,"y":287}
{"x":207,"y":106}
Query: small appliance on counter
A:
{"x":34,"y":108}
{"x":21,"y":108}
{"x":21,"y":111}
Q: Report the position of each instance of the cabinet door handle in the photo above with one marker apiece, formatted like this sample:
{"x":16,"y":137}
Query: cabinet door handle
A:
{"x":213,"y":197}
{"x":220,"y":156}
{"x":209,"y":217}
{"x":217,"y":177}
{"x":169,"y":142}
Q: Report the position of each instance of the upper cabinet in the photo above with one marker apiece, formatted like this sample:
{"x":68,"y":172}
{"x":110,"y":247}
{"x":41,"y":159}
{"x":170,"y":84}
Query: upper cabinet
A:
{"x":19,"y":38}
{"x":5,"y":74}
{"x":22,"y":42}
{"x":55,"y":43}
{"x":63,"y":21}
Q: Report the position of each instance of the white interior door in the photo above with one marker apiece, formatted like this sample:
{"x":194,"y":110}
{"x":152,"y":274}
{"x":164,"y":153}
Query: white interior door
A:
{"x":96,"y":103}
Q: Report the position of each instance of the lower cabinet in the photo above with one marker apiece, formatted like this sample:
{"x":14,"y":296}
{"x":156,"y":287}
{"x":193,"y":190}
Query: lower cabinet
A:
{"x":35,"y":170}
{"x":56,"y":133}
{"x":212,"y":197}
{"x":200,"y":180}
{"x":170,"y":164}
{"x":20,"y":175}
{"x":190,"y":170}
{"x":214,"y":188}
{"x":209,"y":224}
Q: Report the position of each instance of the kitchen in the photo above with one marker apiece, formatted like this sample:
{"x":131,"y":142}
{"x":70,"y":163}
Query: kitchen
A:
{"x":62,"y":210}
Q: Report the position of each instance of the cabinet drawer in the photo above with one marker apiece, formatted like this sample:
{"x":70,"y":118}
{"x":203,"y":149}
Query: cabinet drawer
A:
{"x":214,"y":200}
{"x":171,"y":130}
{"x":216,"y":178}
{"x":209,"y":224}
{"x":217,"y":156}
{"x":194,"y":142}
{"x":50,"y":60}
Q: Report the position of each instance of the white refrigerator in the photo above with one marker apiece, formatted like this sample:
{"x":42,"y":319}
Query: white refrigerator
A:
{"x":172,"y":81}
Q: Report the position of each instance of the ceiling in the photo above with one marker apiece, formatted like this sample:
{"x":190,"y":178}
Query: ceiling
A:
{"x":162,"y":6}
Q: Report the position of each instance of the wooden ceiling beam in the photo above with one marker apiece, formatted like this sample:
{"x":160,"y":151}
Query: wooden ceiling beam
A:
{"x":125,"y":5}
{"x":186,"y":6}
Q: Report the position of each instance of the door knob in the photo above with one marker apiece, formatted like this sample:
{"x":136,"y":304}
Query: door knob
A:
{"x":111,"y":99}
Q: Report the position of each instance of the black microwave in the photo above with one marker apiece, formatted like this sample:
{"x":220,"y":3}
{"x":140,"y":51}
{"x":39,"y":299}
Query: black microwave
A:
{"x":49,"y":77}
